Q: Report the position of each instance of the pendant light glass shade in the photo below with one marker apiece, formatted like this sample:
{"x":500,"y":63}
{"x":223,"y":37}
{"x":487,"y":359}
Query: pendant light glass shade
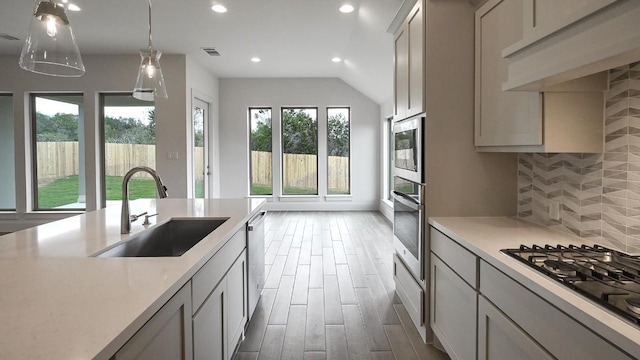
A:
{"x":150,"y":82}
{"x":50,"y":47}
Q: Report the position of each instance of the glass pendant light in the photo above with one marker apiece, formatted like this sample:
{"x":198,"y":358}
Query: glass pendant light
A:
{"x":150,"y":82}
{"x":50,"y":47}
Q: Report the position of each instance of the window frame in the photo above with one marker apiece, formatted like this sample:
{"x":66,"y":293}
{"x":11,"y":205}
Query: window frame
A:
{"x":34,"y":150}
{"x":348,"y":108}
{"x":249,"y":109}
{"x":15,"y":198}
{"x":282,"y":167}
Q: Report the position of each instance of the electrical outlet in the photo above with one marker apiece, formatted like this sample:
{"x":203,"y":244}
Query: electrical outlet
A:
{"x":554,"y":210}
{"x":173,"y":155}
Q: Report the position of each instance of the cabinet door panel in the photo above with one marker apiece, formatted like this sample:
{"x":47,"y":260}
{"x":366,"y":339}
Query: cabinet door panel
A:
{"x":499,"y":338}
{"x":209,"y":333}
{"x":236,"y":300}
{"x":401,"y":74}
{"x":415,"y":29}
{"x":502,"y":117}
{"x":167,"y":335}
{"x":453,"y":311}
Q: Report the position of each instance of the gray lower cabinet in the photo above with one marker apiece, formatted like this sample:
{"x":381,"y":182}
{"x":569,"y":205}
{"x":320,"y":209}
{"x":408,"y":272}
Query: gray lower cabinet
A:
{"x":167,"y":335}
{"x":500,"y":338}
{"x":478,"y":312}
{"x":209,"y":334}
{"x":236,"y":301}
{"x":453,"y":311}
{"x":218,"y":324}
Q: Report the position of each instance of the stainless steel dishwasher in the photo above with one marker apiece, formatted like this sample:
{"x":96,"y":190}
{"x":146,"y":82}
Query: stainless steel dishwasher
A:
{"x":255,"y":253}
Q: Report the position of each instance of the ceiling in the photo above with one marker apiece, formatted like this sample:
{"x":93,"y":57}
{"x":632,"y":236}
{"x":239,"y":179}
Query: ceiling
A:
{"x":294,"y":38}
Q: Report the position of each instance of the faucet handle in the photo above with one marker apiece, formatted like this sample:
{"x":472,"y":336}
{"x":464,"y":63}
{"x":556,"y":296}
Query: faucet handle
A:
{"x":146,"y":219}
{"x":136,"y":217}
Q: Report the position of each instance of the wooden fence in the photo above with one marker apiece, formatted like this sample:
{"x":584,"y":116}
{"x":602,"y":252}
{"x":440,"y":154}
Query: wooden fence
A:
{"x":300,"y":170}
{"x":61,"y":159}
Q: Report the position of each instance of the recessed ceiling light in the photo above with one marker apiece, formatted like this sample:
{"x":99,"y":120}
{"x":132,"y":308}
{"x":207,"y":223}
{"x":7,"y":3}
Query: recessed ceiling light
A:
{"x":346,"y":8}
{"x":73,"y":7}
{"x":219,"y":8}
{"x":255,"y":59}
{"x":336,"y":59}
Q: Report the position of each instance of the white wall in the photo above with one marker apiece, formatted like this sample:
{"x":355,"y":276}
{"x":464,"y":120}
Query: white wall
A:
{"x":237,"y":95}
{"x":105,"y":73}
{"x":7,"y":172}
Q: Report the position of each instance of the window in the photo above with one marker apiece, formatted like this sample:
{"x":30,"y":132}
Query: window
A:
{"x":338,"y":151}
{"x":129,"y":134}
{"x":200,"y":149}
{"x":300,"y":151}
{"x":7,"y":158}
{"x":260,"y":163}
{"x":58,"y":151}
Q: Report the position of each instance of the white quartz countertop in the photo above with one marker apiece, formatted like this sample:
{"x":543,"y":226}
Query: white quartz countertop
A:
{"x":57,"y":302}
{"x":486,"y":236}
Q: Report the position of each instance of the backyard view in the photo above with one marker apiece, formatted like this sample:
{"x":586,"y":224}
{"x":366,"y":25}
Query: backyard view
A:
{"x":129,"y":135}
{"x":300,"y":151}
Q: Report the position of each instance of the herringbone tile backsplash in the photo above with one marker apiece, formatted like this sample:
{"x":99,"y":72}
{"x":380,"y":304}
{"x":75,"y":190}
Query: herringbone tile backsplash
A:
{"x":599,"y":194}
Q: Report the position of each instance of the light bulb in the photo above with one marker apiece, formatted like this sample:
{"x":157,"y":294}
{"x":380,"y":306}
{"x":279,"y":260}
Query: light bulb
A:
{"x":52,"y":28}
{"x":151,"y":71}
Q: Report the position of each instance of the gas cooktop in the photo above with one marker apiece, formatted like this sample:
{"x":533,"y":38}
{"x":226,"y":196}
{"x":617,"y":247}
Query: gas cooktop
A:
{"x":608,"y":277}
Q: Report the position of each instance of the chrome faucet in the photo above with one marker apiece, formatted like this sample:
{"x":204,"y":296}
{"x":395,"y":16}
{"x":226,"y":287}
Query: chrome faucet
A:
{"x":125,"y":218}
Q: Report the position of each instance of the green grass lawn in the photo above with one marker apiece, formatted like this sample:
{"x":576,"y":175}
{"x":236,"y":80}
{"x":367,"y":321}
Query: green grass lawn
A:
{"x":259,"y":189}
{"x":60,"y":192}
{"x":299,"y":191}
{"x":65,"y":190}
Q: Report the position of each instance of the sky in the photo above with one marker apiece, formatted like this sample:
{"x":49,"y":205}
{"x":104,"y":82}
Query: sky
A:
{"x":52,"y":107}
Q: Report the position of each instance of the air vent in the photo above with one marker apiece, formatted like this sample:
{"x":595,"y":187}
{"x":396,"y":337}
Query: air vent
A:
{"x":8,"y":37}
{"x":211,"y":51}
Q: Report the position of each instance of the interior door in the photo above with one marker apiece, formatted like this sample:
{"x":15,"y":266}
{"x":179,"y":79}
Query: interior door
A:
{"x":200,"y":149}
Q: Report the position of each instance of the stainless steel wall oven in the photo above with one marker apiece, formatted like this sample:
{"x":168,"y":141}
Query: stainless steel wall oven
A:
{"x":409,"y":224}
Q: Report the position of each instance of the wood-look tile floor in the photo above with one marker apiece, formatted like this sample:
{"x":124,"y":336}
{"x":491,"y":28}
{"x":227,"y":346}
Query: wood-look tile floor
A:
{"x":329,"y":292}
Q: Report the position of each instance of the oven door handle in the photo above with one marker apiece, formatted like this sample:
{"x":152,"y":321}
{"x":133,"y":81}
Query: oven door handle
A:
{"x":407,"y":200}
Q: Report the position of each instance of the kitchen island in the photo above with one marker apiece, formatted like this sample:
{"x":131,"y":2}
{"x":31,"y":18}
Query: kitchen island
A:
{"x":59,"y":302}
{"x":507,"y":294}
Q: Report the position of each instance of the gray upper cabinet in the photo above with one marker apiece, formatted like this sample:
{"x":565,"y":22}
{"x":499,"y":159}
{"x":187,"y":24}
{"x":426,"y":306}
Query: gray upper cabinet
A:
{"x":568,"y":39}
{"x":409,"y":65}
{"x":564,"y":118}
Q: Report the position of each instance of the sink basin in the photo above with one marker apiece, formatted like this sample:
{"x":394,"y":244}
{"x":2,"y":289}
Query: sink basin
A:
{"x":172,"y":238}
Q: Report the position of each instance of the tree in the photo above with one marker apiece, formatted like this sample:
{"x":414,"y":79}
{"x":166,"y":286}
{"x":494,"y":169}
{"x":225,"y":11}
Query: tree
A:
{"x":338,"y":137}
{"x":299,"y":133}
{"x":261,"y":130}
{"x":59,"y":127}
{"x":128,"y":131}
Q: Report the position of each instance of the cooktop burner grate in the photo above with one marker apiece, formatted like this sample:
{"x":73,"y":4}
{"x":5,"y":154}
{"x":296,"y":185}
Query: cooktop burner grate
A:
{"x":608,"y":277}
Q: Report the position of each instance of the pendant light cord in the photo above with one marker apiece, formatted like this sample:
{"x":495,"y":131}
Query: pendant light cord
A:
{"x":150,"y":43}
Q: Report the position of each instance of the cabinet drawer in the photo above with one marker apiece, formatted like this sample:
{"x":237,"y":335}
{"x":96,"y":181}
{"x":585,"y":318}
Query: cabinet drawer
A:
{"x":409,"y":291}
{"x":213,"y":271}
{"x":560,"y":334}
{"x":459,"y":259}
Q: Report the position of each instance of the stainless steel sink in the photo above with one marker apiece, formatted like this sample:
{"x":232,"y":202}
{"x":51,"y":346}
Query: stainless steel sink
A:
{"x":172,"y":238}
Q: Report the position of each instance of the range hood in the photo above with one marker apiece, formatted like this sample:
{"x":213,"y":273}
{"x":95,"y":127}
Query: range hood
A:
{"x":599,"y":35}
